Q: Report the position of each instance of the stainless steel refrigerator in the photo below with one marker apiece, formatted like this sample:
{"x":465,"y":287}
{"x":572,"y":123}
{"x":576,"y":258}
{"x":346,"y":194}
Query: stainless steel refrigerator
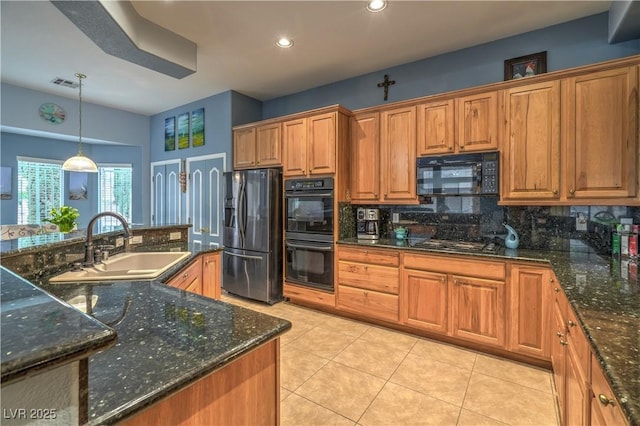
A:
{"x":252,"y":258}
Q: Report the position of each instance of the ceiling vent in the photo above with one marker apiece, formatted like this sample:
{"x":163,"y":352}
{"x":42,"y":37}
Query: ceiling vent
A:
{"x":64,"y":82}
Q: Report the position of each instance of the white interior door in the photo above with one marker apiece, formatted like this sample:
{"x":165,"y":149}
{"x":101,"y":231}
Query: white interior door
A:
{"x":204,"y":199}
{"x":165,"y":193}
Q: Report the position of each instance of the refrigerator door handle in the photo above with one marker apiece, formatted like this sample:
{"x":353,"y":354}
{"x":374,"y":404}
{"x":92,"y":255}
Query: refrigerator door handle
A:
{"x":241,"y":209}
{"x":244,"y":256}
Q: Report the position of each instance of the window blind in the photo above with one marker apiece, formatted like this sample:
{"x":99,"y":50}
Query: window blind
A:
{"x":40,"y":186}
{"x":114,"y":194}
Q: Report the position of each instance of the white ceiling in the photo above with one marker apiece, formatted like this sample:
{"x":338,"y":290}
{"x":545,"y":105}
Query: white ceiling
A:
{"x":334,"y":40}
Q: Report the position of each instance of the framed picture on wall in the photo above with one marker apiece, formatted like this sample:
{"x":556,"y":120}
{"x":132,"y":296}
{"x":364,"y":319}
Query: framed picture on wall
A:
{"x":170,"y":134}
{"x":78,"y":185}
{"x":197,"y":127}
{"x":525,"y":66}
{"x":5,"y":183}
{"x":183,"y":131}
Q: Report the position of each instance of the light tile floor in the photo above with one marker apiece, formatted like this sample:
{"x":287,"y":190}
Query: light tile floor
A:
{"x":335,"y":371}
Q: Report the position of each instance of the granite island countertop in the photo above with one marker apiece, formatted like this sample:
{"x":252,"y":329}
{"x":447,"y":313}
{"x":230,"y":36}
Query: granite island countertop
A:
{"x":167,"y":339}
{"x":39,"y":332}
{"x":606,"y":303}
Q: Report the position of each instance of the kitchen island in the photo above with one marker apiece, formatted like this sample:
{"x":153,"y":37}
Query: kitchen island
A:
{"x":206,"y":358}
{"x":606,"y":303}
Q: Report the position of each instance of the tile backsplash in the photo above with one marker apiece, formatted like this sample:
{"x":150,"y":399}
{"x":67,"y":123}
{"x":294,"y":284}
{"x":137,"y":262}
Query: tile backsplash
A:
{"x":481,"y":218}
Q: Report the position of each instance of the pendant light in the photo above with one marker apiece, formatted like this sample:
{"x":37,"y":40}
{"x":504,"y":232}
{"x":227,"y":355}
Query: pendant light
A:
{"x":80,"y":162}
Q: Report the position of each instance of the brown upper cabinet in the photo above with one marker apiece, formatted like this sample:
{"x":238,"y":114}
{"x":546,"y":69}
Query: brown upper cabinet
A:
{"x":477,"y":122}
{"x":572,"y":141}
{"x":436,"y":128}
{"x":365,"y":155}
{"x":601,"y":135}
{"x":310,"y":145}
{"x":257,"y":146}
{"x":453,"y":126}
{"x":383,"y":149}
{"x":531,"y":142}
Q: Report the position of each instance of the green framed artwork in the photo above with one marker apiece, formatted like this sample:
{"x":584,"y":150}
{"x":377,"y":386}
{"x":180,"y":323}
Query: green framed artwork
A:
{"x":197,"y":127}
{"x":170,"y":134}
{"x":183,"y":131}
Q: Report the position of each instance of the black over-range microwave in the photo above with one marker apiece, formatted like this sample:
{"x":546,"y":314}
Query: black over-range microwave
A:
{"x":459,"y":174}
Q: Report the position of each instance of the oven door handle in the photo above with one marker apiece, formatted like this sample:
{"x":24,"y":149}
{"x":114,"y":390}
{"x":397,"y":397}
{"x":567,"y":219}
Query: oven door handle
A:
{"x":308,"y":194}
{"x":308,"y":247}
{"x":244,"y":256}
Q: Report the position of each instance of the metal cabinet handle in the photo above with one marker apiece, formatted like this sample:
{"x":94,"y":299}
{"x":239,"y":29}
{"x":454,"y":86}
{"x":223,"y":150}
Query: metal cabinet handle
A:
{"x":559,"y":334}
{"x":375,"y":195}
{"x":556,"y":289}
{"x":604,"y":400}
{"x":564,"y":342}
{"x":571,"y":323}
{"x":572,"y":192}
{"x":450,"y":148}
{"x":461,"y":147}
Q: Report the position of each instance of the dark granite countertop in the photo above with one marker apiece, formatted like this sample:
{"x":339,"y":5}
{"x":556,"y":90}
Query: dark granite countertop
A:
{"x":167,"y":338}
{"x":606,"y":303}
{"x":40,"y":332}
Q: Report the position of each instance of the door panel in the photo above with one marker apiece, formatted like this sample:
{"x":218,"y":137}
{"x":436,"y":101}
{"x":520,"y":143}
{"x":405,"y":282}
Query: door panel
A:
{"x":204,"y":199}
{"x":165,"y":194}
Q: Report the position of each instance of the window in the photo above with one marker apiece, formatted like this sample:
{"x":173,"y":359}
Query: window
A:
{"x":114,"y":194}
{"x":40,"y":186}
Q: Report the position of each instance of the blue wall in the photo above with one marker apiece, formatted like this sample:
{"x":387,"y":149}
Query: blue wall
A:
{"x":572,"y":44}
{"x":14,"y":145}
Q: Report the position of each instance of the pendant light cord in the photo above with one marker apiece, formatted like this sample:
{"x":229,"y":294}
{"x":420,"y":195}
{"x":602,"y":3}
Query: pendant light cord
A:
{"x":80,"y":77}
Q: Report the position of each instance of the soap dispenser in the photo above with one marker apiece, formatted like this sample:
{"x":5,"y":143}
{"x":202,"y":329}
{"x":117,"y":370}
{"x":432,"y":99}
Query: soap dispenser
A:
{"x":511,"y":241}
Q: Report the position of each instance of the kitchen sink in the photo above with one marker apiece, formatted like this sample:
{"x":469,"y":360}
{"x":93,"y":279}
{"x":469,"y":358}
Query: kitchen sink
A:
{"x":125,"y":267}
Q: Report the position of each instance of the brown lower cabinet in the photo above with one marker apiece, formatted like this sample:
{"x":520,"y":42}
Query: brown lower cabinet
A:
{"x":513,"y":307}
{"x":244,"y":392}
{"x":201,"y":276}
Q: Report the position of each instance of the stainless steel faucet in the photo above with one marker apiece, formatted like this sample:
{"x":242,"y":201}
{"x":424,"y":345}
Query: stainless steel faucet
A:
{"x":89,"y":251}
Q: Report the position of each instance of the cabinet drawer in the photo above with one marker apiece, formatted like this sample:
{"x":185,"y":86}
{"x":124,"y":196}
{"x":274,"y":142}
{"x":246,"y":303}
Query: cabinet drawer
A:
{"x":188,"y":278}
{"x":375,"y":256}
{"x":372,"y":277}
{"x":368,"y":303}
{"x":456,"y":265}
{"x":605,"y":409}
{"x":309,"y":295}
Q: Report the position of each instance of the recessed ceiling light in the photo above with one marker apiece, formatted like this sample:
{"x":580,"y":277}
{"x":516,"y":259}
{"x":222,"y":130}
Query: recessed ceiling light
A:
{"x":376,"y":5}
{"x":284,"y":42}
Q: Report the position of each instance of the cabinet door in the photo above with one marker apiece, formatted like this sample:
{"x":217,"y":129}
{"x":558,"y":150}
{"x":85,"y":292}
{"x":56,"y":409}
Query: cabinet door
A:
{"x":244,"y":148}
{"x":436,"y":128}
{"x":558,"y":351}
{"x":478,"y":310}
{"x":398,"y":155}
{"x":531,"y":297}
{"x":365,"y":157}
{"x":576,"y":391}
{"x":477,"y":122}
{"x":294,"y":135}
{"x":531,"y":150}
{"x":424,"y":300}
{"x":322,"y":143}
{"x":189,"y":278}
{"x":268,"y":145}
{"x":602,"y":134}
{"x":211,"y":275}
{"x":605,"y":409}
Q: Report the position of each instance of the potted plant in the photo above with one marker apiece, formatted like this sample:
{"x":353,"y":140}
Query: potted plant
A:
{"x":65,"y":217}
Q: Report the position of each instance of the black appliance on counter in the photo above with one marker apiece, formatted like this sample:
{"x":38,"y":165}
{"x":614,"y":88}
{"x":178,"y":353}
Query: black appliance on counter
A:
{"x":458,"y":174}
{"x":309,"y":232}
{"x":252,"y":257}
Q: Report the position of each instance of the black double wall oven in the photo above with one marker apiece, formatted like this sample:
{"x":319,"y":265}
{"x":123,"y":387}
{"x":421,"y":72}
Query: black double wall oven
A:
{"x":309,"y":232}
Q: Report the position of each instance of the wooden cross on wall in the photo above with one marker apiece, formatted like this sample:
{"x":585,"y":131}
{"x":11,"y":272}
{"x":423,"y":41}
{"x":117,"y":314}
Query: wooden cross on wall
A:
{"x":386,"y":83}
